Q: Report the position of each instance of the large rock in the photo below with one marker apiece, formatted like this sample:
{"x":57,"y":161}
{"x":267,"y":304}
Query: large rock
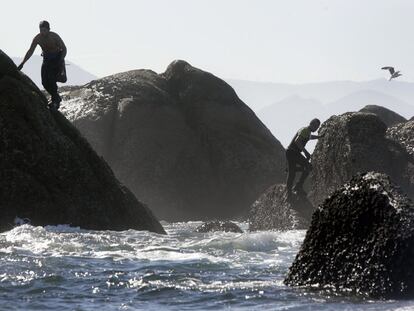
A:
{"x":182,"y":141}
{"x":214,"y":226}
{"x":355,"y":142}
{"x":49,"y":173}
{"x":404,"y":134}
{"x":361,"y":239}
{"x":275,"y":211}
{"x":387,"y":116}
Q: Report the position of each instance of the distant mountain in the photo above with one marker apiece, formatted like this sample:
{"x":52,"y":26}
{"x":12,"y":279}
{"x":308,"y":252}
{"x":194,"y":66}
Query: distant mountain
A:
{"x":285,"y":117}
{"x":261,"y":94}
{"x":360,"y":99}
{"x":284,"y":108}
{"x":76,"y":75}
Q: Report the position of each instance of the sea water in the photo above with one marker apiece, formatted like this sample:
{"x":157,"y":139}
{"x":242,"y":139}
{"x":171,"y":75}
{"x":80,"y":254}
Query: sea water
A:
{"x":65,"y":268}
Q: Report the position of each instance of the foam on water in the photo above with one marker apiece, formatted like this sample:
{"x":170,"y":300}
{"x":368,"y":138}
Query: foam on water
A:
{"x":69,"y":268}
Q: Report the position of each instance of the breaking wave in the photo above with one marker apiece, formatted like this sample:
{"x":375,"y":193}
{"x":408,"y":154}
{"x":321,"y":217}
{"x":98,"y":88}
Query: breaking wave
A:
{"x":66,"y":268}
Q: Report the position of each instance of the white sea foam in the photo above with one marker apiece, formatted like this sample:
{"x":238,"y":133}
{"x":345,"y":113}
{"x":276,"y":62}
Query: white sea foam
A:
{"x":62,"y":265}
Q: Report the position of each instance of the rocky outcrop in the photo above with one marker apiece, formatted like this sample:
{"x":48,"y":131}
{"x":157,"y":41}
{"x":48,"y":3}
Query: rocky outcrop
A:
{"x":182,"y":141}
{"x":49,"y":174}
{"x":403,"y":133}
{"x":387,"y":116}
{"x":213,"y":226}
{"x":361,"y":239}
{"x":353,"y":143}
{"x":275,"y":211}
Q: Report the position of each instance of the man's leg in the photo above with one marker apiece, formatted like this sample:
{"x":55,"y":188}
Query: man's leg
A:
{"x":53,"y":83}
{"x":306,"y":168}
{"x":45,"y":77}
{"x":291,"y":170}
{"x":49,"y":74}
{"x":305,"y":173}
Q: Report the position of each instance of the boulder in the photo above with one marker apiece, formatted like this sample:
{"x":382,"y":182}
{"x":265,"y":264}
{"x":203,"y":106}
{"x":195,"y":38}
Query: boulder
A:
{"x":386,"y":115}
{"x":361,"y":240}
{"x":352,"y":143}
{"x":213,"y":226}
{"x":182,"y":141}
{"x":403,"y":133}
{"x":275,"y":211}
{"x":49,"y":174}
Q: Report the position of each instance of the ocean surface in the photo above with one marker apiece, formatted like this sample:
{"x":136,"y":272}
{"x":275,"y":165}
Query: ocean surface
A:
{"x":64,"y":268}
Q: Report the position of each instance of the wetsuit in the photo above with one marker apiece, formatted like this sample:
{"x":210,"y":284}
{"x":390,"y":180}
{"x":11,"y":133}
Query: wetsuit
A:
{"x":296,"y":161}
{"x":50,"y":69}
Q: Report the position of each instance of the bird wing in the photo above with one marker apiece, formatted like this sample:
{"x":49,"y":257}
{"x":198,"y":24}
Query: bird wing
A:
{"x":391,"y":69}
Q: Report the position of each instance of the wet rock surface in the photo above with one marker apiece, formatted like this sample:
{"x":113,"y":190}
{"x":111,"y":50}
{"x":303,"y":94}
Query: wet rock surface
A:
{"x":386,"y":115}
{"x":182,"y":141}
{"x":49,"y":174}
{"x":213,"y":226}
{"x":275,"y":211}
{"x":404,"y":134}
{"x":353,"y":143}
{"x":361,"y":240}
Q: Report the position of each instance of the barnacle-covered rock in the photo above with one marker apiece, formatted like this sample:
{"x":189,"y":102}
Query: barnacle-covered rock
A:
{"x":361,"y":240}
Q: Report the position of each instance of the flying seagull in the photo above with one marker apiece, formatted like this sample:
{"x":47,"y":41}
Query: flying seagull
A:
{"x":394,"y":74}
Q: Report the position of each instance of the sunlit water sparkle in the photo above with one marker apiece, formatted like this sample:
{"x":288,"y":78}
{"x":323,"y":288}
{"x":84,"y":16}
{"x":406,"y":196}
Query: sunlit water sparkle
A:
{"x":64,"y":268}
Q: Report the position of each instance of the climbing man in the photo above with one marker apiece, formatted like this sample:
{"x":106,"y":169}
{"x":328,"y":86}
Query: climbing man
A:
{"x":53,"y":52}
{"x":296,"y":161}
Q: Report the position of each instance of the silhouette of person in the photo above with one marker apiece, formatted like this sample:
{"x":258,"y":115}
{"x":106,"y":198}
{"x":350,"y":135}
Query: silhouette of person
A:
{"x":296,"y":161}
{"x":53,"y":52}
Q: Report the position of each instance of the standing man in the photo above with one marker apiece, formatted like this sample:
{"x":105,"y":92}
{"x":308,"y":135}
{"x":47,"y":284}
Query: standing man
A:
{"x":296,"y":161}
{"x":54,"y":52}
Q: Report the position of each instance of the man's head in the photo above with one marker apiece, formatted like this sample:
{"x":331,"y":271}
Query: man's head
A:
{"x":314,"y":124}
{"x":44,"y":27}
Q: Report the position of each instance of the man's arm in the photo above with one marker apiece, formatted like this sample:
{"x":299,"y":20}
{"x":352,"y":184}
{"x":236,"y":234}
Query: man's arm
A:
{"x":28,"y":54}
{"x":307,"y":154}
{"x":316,"y":136}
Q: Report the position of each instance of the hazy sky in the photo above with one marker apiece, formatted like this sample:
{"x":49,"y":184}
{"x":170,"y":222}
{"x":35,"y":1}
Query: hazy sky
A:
{"x":264,"y":40}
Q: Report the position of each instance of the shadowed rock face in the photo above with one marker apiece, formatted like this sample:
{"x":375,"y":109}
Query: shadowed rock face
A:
{"x":387,"y":116}
{"x":404,"y":134}
{"x":361,"y":239}
{"x":353,"y":143}
{"x":182,"y":141}
{"x":48,"y":171}
{"x":213,"y":226}
{"x":274,"y":211}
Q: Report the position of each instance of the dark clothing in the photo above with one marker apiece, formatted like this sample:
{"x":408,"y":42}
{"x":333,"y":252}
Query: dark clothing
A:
{"x":301,"y":139}
{"x":50,"y":69}
{"x":296,"y":163}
